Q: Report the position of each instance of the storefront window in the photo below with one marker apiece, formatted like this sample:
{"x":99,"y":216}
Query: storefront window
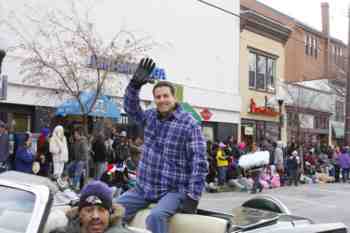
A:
{"x":208,"y":133}
{"x":21,"y":122}
{"x":259,"y":131}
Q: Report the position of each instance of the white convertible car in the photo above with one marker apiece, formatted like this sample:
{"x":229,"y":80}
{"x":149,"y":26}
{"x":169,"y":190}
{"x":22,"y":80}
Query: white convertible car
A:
{"x":32,"y":204}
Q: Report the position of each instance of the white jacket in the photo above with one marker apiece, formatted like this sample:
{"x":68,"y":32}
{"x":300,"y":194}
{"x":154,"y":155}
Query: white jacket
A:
{"x":59,"y":150}
{"x":58,"y":145}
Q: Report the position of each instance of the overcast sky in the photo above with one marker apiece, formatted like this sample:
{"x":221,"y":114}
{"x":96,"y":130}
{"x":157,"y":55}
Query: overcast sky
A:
{"x":309,"y":12}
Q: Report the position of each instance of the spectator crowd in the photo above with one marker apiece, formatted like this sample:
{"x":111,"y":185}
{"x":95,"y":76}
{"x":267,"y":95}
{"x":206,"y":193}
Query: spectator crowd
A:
{"x":288,"y":165}
{"x":72,"y":159}
{"x":112,"y":156}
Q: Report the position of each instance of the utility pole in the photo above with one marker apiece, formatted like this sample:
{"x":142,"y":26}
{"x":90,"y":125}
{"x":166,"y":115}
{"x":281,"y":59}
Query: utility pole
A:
{"x":347,"y":114}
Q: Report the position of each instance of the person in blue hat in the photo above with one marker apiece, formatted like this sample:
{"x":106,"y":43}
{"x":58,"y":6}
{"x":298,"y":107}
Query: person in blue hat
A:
{"x":95,"y":212}
{"x":24,"y":156}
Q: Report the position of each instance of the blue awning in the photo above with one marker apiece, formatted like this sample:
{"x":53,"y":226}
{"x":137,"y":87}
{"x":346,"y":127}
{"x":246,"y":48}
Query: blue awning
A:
{"x":104,"y":106}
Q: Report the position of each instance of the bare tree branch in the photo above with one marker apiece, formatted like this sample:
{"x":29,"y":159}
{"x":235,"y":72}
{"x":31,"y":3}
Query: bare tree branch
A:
{"x":54,"y":47}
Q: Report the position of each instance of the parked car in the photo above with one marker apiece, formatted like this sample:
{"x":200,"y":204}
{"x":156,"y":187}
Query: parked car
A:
{"x":33,"y":204}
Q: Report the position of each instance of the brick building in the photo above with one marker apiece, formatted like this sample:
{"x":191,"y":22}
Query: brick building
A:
{"x":310,"y":54}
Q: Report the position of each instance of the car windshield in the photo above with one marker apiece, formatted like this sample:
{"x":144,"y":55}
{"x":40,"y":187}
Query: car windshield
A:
{"x":16,"y":208}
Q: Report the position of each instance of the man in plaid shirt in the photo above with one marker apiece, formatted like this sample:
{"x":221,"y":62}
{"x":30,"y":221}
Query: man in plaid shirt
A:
{"x":173,"y":164}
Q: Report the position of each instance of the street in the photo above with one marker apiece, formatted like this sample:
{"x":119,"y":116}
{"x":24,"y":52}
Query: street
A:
{"x":320,"y":202}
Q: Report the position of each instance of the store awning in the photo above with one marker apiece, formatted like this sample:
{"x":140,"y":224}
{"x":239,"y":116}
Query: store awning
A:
{"x":104,"y":106}
{"x":338,"y":130}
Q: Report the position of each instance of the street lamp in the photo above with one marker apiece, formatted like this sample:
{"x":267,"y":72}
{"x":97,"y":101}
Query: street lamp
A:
{"x":280,"y":103}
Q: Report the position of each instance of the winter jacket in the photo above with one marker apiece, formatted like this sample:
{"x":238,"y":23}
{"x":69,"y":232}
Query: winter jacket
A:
{"x":344,"y":160}
{"x":4,"y":147}
{"x":59,"y":149}
{"x":292,"y":163}
{"x":100,"y":151}
{"x":278,"y":158}
{"x":221,"y":158}
{"x":122,"y":152}
{"x":115,"y":226}
{"x":24,"y":160}
{"x":81,"y":149}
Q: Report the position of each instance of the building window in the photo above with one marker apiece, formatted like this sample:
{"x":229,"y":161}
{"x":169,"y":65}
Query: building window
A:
{"x":315,"y":47}
{"x":271,"y":73}
{"x":321,"y":122}
{"x":307,"y":44}
{"x":21,"y":122}
{"x":252,"y":69}
{"x":311,"y":46}
{"x":337,"y":55}
{"x":339,"y":111}
{"x":293,"y":119}
{"x":262,"y":72}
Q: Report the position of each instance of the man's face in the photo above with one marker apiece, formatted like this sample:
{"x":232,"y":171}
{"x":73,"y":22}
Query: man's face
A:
{"x":164,"y":100}
{"x":76,"y":135}
{"x":114,"y":131}
{"x":94,"y":219}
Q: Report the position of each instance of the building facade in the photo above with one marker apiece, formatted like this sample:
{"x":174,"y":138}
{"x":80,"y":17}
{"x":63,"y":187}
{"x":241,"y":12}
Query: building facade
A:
{"x":197,"y":45}
{"x":310,"y":54}
{"x":262,"y":57}
{"x":308,"y":113}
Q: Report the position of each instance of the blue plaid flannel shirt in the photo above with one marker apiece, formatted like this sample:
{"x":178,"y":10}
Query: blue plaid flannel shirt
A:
{"x":174,"y":151}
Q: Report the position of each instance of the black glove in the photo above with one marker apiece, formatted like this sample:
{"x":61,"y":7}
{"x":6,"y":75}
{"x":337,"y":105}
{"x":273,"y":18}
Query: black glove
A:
{"x":189,"y":206}
{"x":143,"y":72}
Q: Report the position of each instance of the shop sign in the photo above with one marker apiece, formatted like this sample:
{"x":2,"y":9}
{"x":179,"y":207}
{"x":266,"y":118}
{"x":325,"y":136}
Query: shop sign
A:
{"x":248,"y":130}
{"x":262,"y":110}
{"x":206,"y":114}
{"x":123,"y":68}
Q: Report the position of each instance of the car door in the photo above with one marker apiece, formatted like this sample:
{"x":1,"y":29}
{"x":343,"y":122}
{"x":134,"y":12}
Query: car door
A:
{"x":23,"y":207}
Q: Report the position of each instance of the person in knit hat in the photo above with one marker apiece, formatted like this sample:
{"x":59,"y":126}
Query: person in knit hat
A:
{"x":95,"y":212}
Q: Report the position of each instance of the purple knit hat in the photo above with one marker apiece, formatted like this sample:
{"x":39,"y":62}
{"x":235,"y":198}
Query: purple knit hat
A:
{"x":96,"y":193}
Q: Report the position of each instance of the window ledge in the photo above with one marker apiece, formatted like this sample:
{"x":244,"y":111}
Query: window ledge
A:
{"x":262,"y":91}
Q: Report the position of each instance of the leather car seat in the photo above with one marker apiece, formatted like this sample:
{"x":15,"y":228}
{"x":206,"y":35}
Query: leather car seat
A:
{"x":185,"y":223}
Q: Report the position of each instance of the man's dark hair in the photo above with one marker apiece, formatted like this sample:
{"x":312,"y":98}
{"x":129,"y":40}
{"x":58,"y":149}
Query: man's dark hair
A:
{"x":164,"y":84}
